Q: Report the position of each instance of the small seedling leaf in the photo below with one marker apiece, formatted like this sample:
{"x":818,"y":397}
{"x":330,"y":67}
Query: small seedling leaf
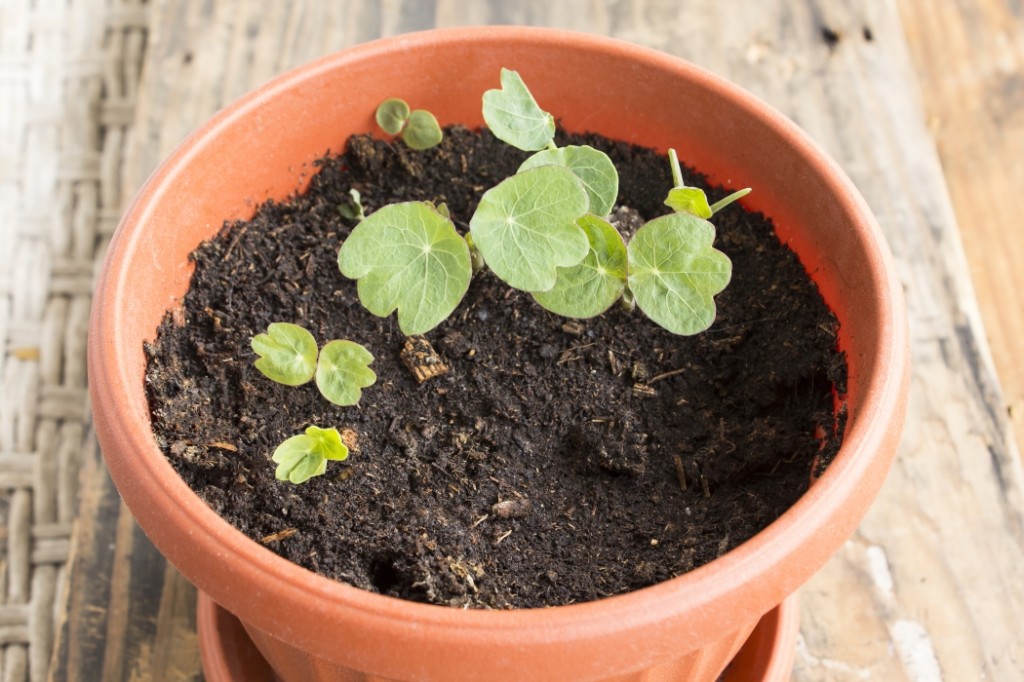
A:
{"x":525,"y":227}
{"x":304,"y":456}
{"x":353,"y":210}
{"x":594,"y":169}
{"x":408,"y":257}
{"x":343,"y":371}
{"x":674,"y":272}
{"x":690,"y":200}
{"x":590,"y":288}
{"x":392,"y":115}
{"x":514,"y":116}
{"x":287,"y":353}
{"x":422,"y":130}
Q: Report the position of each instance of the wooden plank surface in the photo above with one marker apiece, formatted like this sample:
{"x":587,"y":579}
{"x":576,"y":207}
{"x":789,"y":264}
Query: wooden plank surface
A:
{"x":969,"y":57}
{"x":929,"y":587}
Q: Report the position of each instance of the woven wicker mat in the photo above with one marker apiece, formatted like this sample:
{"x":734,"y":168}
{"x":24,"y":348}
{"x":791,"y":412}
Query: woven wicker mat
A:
{"x":69,"y":70}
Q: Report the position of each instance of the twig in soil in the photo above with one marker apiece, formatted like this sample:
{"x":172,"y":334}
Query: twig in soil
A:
{"x":644,"y":391}
{"x":479,"y":521}
{"x":707,"y":487}
{"x":680,"y":472}
{"x":666,"y":375}
{"x":279,"y":535}
{"x":503,"y":536}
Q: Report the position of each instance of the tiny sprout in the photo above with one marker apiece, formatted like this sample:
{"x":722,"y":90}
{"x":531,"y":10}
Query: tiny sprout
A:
{"x":692,"y":200}
{"x":354,"y":209}
{"x":419,"y":128}
{"x":287,"y":354}
{"x":304,"y":456}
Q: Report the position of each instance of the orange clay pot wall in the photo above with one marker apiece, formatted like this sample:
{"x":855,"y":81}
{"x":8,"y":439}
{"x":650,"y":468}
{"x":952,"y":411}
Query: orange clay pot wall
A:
{"x":263,"y":146}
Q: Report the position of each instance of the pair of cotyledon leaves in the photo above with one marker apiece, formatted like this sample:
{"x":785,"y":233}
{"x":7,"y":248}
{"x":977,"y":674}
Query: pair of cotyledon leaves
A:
{"x":539,"y":231}
{"x":288,"y":355}
{"x":418,"y":128}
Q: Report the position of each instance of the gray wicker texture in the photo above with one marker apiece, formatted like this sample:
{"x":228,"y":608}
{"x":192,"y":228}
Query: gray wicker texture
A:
{"x":69,"y":70}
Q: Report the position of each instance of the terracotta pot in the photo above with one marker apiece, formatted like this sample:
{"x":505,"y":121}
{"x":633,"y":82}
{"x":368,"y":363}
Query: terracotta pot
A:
{"x":263,"y":146}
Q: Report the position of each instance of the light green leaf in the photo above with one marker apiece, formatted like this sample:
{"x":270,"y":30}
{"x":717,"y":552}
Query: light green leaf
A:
{"x":674,"y":272}
{"x":287,"y":353}
{"x":514,"y":116}
{"x":301,"y":457}
{"x":590,"y":288}
{"x":690,"y":200}
{"x":422,"y":131}
{"x":525,"y":227}
{"x":408,"y":257}
{"x":594,"y":169}
{"x":343,"y":371}
{"x":392,"y":115}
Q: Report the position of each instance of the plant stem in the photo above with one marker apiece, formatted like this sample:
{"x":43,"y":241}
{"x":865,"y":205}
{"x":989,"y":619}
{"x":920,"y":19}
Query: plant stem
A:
{"x":677,"y":175}
{"x":551,"y":145}
{"x":722,"y":203}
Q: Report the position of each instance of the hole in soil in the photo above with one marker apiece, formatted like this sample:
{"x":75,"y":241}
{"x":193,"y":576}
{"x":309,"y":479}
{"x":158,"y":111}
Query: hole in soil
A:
{"x":384,"y":576}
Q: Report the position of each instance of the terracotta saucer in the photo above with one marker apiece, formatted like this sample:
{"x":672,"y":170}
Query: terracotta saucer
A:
{"x":230,"y":656}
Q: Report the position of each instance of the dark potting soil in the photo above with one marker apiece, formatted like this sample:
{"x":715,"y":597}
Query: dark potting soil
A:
{"x":556,"y":461}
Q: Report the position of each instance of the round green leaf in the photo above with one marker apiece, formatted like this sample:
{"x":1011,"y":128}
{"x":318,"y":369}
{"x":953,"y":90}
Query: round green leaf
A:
{"x":594,"y":169}
{"x":422,"y":131}
{"x":674,"y":272}
{"x":525,"y":227}
{"x":392,"y":115}
{"x":287,"y":353}
{"x":408,"y":257}
{"x":690,"y":200}
{"x":343,"y":371}
{"x":590,"y":288}
{"x":514,"y":116}
{"x":301,"y":457}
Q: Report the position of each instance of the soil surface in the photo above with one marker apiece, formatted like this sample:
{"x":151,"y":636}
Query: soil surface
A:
{"x":556,"y":461}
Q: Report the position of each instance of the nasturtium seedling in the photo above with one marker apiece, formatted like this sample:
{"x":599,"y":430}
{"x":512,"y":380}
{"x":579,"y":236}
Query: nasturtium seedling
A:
{"x":343,"y":371}
{"x":525,"y":227}
{"x":675,"y":272}
{"x":408,"y":257}
{"x":304,"y":456}
{"x":590,"y":288}
{"x":692,"y":200}
{"x":594,"y":169}
{"x":353,"y":210}
{"x":514,"y":116}
{"x":419,"y":128}
{"x":287,"y":353}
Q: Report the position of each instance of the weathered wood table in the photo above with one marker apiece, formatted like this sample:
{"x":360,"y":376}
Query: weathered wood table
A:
{"x":932,"y":585}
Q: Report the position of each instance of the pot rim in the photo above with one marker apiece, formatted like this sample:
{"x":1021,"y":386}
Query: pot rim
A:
{"x":708,"y":590}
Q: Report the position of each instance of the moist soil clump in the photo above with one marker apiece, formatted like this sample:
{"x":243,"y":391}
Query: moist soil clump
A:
{"x":556,"y":460}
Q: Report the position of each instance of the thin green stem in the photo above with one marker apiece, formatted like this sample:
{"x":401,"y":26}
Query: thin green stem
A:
{"x":677,"y":175}
{"x":551,"y":145}
{"x":722,"y":203}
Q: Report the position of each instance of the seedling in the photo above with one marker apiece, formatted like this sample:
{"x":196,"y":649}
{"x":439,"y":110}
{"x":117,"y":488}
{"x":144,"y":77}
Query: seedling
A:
{"x":541,"y":231}
{"x":418,"y":128}
{"x":288,"y":355}
{"x":304,"y":456}
{"x":354,"y":209}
